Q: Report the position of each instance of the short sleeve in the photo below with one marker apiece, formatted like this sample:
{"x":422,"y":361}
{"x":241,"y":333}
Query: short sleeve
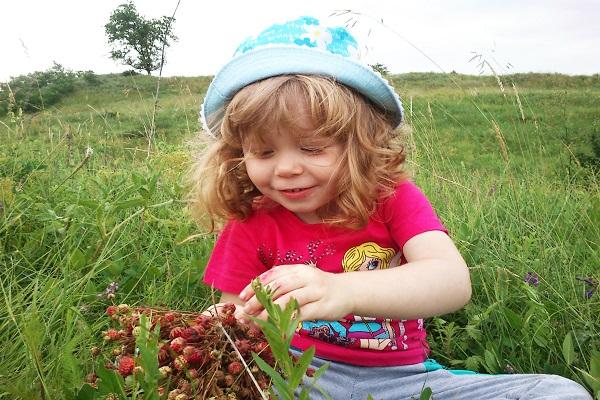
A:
{"x":408,"y":213}
{"x":233,"y":263}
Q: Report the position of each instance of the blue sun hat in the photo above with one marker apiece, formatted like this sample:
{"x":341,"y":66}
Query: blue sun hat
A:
{"x":302,"y":46}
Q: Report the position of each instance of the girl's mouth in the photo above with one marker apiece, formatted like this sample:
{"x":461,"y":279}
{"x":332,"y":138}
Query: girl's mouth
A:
{"x":296,"y":193}
{"x":294,"y":190}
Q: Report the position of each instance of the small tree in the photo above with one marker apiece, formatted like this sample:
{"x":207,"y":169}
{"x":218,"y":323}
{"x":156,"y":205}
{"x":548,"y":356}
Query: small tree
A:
{"x":137,"y":41}
{"x":379,"y":67}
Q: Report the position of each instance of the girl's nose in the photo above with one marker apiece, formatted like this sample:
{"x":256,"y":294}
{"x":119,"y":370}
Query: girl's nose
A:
{"x":288,"y":164}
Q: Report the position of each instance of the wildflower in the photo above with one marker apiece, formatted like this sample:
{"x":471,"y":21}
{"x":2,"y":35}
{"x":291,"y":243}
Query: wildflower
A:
{"x":591,"y":285}
{"x":531,"y":278}
{"x":109,"y":292}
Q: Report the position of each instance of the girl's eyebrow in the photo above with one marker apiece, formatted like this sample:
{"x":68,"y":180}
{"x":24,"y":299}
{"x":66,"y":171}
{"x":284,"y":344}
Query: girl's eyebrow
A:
{"x":313,"y":138}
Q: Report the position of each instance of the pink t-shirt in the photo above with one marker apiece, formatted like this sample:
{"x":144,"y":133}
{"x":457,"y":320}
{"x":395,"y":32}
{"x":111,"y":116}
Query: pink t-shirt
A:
{"x":245,"y":249}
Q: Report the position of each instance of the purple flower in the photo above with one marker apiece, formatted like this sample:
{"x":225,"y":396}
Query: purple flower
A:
{"x":591,"y":285}
{"x":589,"y":293}
{"x":531,"y":278}
{"x":110,"y":290}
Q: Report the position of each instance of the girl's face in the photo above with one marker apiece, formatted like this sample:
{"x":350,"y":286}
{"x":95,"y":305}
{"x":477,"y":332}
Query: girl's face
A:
{"x":295,"y":168}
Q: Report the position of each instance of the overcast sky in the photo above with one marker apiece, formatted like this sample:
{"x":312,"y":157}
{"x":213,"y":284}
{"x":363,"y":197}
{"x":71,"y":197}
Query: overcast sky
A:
{"x":515,"y":36}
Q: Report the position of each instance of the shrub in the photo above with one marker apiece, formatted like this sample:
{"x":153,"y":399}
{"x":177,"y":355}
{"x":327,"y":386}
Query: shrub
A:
{"x":130,"y":72}
{"x":89,"y":77}
{"x":36,"y":91}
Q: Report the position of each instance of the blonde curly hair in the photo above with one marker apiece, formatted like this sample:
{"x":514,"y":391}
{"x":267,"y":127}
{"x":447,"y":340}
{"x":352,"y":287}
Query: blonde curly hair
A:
{"x":372,"y":163}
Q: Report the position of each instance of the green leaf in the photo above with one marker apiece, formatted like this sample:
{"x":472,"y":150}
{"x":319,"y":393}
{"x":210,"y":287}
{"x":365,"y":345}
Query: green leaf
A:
{"x":514,"y":320}
{"x":568,"y":350}
{"x":502,"y":284}
{"x":86,"y":392}
{"x":33,"y":336}
{"x":426,"y":394}
{"x":595,"y":365}
{"x":147,"y":342}
{"x":110,"y":381}
{"x":91,"y":204}
{"x":77,"y":259}
{"x":592,"y":378}
{"x":131,"y":203}
{"x":299,"y":370}
{"x":542,"y":334}
{"x":278,"y":381}
{"x":491,"y":362}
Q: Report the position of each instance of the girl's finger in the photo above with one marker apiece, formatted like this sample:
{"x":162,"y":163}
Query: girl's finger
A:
{"x":246,"y":293}
{"x":252,"y":306}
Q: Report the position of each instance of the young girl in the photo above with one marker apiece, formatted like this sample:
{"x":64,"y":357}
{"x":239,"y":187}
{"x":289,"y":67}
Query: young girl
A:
{"x":306,"y":169}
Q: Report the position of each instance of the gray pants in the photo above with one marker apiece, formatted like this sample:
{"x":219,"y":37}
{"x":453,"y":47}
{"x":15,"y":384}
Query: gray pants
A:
{"x":344,"y":382}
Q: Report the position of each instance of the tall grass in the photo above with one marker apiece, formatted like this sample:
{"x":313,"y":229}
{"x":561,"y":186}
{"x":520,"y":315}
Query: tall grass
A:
{"x":501,"y":171}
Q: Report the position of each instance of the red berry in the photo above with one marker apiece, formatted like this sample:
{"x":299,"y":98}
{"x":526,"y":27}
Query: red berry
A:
{"x":229,"y":380}
{"x":180,"y":363}
{"x":112,"y":334}
{"x":163,"y":354}
{"x":310,"y":372}
{"x":170,"y":316}
{"x":254,"y":333}
{"x":178,"y":344}
{"x":243,"y":346}
{"x":192,"y":354}
{"x":203,"y":320}
{"x":260,"y":347}
{"x":235,"y":367}
{"x":200,"y":329}
{"x":189,"y":334}
{"x":264,"y":351}
{"x":229,"y":320}
{"x":126,"y":365}
{"x":228,"y":309}
{"x":123,"y":308}
{"x":192,"y":373}
{"x":111,"y":310}
{"x":176,"y":332}
{"x":219,"y":375}
{"x":95,"y":351}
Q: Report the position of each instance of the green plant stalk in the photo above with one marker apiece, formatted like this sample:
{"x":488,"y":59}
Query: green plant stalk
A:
{"x":279,"y":330}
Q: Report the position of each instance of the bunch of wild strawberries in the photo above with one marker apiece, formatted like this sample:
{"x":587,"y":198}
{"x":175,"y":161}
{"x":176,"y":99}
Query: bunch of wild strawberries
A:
{"x":196,"y":359}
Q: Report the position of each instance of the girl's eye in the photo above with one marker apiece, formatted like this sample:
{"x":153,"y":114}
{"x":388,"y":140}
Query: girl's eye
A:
{"x":312,"y":150}
{"x":263,"y":153}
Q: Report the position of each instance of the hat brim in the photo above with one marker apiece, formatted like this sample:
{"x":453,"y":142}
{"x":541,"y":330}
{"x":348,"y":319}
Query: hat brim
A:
{"x":284,"y":60}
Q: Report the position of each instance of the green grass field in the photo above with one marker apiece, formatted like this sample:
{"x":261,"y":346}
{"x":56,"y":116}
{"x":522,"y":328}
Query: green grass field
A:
{"x":512,"y":171}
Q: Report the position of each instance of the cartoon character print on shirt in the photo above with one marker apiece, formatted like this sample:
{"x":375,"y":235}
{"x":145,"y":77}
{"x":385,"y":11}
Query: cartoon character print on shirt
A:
{"x":362,"y":332}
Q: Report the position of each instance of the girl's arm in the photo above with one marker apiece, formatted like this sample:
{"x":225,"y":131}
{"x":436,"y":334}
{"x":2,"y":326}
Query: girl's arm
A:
{"x":434,"y":281}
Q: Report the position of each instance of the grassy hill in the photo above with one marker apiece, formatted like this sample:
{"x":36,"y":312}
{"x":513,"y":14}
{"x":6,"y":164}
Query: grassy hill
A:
{"x":87,"y":199}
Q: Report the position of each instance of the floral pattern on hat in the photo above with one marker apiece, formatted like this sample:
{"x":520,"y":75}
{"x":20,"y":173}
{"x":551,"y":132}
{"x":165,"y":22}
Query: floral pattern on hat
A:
{"x":304,"y":31}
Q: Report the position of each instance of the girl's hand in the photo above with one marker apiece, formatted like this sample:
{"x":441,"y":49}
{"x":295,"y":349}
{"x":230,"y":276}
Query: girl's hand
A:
{"x":320,"y":295}
{"x":217,"y":310}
